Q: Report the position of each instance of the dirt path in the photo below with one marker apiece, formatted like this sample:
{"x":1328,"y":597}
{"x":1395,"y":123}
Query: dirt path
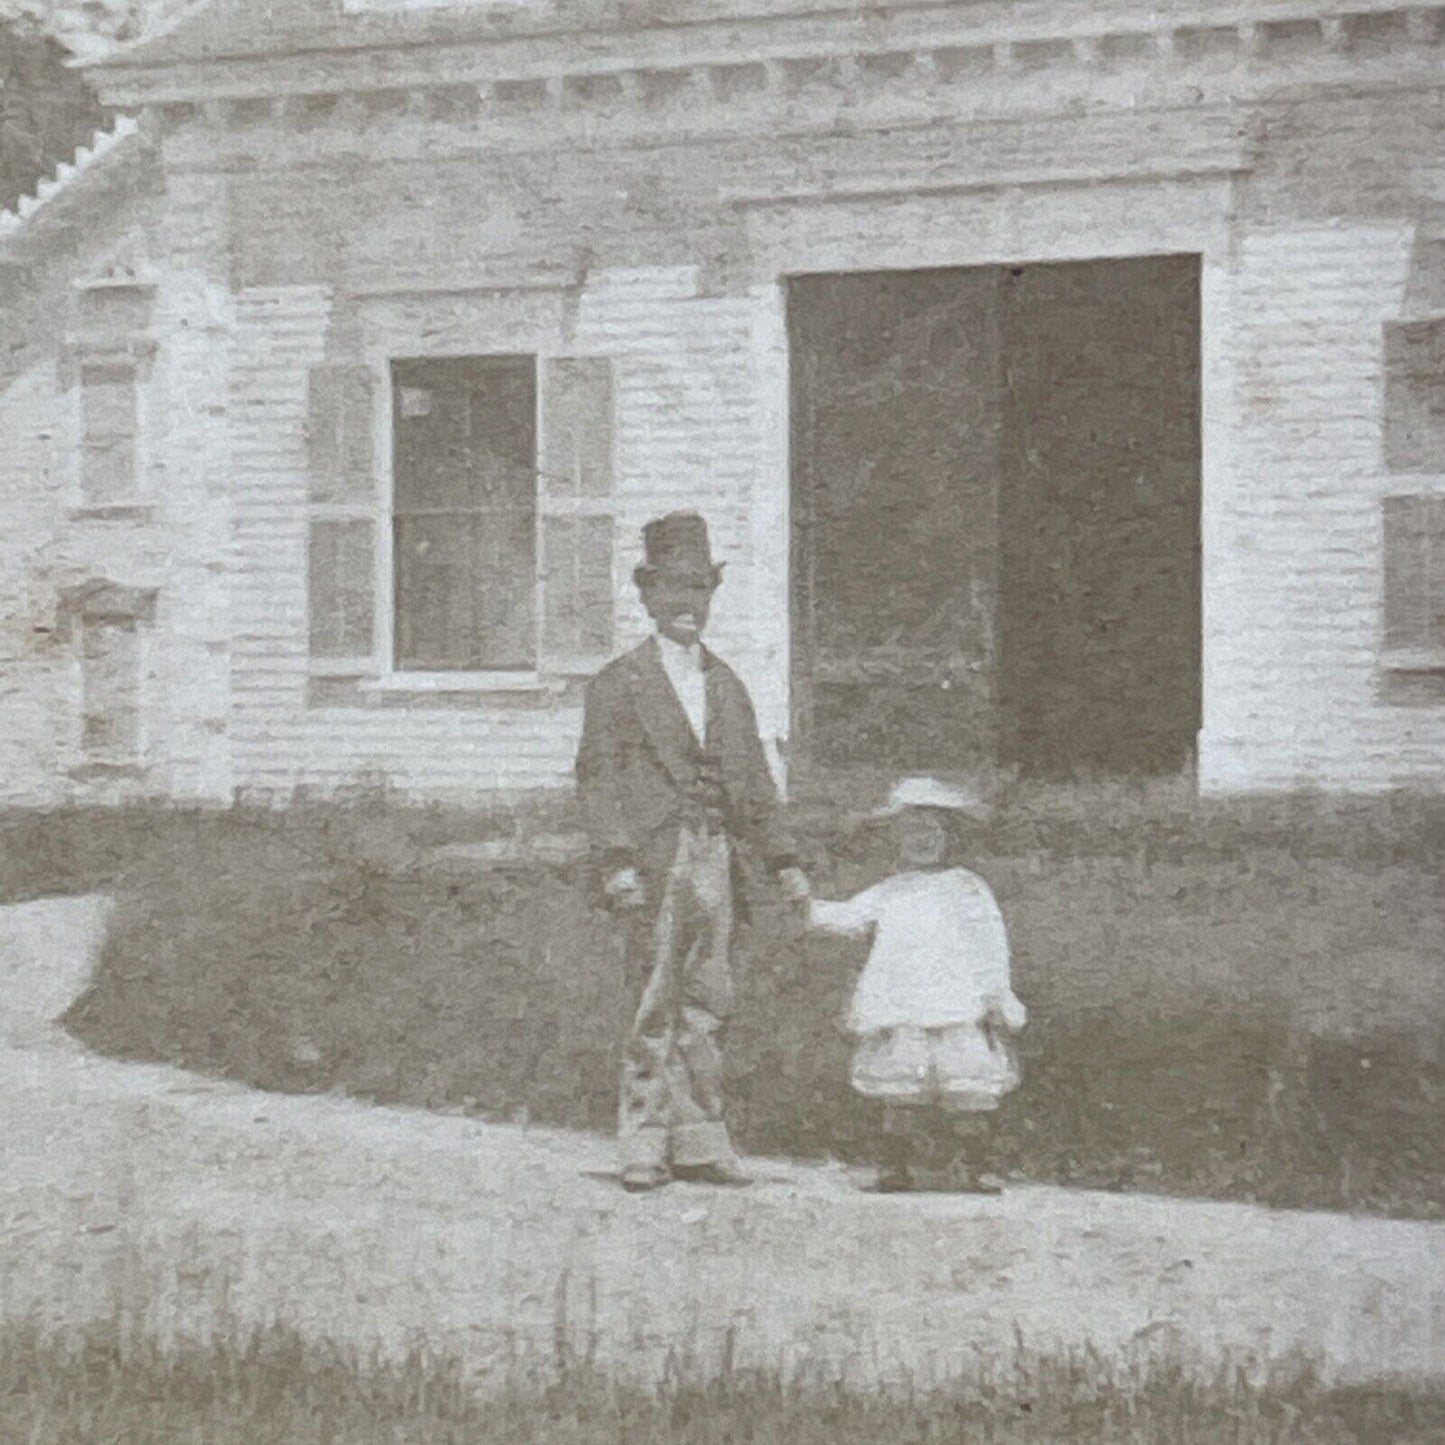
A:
{"x":147,"y":1188}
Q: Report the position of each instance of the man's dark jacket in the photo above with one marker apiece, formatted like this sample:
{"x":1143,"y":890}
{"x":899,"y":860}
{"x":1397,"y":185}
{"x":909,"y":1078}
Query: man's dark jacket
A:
{"x":641,"y":772}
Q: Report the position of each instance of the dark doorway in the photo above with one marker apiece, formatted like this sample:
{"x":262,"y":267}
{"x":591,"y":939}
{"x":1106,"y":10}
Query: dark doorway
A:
{"x":996,"y":518}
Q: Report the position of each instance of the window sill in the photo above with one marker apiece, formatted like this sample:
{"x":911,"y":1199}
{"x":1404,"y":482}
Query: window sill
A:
{"x":430,"y":683}
{"x":114,"y":512}
{"x":480,"y":692}
{"x":102,"y":284}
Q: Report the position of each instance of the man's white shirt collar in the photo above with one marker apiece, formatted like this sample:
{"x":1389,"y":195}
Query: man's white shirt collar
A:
{"x":680,"y":654}
{"x":683,"y":665}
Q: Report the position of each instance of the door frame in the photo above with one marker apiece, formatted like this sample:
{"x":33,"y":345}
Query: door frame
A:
{"x":1064,"y":221}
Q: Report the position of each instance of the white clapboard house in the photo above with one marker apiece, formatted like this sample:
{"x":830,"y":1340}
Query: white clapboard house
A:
{"x":1064,"y":384}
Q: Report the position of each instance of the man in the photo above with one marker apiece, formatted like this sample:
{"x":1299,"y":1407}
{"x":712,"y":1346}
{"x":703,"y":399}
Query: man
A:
{"x":681,"y":808}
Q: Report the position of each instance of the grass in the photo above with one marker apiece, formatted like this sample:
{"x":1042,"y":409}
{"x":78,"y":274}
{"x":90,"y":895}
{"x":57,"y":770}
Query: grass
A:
{"x":104,"y":1386}
{"x":1233,"y":1002}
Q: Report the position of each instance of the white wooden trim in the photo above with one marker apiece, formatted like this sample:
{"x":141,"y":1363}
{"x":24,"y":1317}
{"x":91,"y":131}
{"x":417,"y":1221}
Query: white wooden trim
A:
{"x":1022,"y":226}
{"x":539,"y":498}
{"x":456,"y":322}
{"x":1218,"y":423}
{"x":1119,"y":219}
{"x":383,"y":627}
{"x":436,"y":325}
{"x":771,"y":507}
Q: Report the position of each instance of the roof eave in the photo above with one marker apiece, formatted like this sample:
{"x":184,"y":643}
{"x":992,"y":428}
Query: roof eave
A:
{"x":75,"y":191}
{"x":139,"y":77}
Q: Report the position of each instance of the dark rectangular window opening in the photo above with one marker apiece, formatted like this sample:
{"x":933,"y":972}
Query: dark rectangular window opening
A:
{"x":464,"y":514}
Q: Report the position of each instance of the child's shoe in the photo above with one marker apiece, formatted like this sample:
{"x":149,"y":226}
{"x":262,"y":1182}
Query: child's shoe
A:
{"x":643,"y":1178}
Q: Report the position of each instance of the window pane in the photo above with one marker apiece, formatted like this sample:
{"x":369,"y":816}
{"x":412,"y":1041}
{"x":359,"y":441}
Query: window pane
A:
{"x":110,"y":686}
{"x":465,"y":432}
{"x":465,"y":587}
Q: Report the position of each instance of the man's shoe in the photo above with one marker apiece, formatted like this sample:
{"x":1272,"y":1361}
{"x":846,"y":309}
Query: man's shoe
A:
{"x":722,"y":1174}
{"x":640,"y":1178}
{"x":891,"y":1181}
{"x":960,"y":1180}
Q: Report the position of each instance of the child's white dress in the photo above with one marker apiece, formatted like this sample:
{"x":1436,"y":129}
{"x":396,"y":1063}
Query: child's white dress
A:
{"x":938,"y":967}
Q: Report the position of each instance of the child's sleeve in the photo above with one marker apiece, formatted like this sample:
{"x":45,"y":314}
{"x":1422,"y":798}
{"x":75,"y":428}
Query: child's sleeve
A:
{"x":848,"y":916}
{"x":997,"y":975}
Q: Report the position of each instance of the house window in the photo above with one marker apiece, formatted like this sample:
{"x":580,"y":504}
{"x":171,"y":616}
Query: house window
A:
{"x":486,"y":563}
{"x":110,"y":690}
{"x":108,"y":432}
{"x":1414,"y":590}
{"x":464,"y":514}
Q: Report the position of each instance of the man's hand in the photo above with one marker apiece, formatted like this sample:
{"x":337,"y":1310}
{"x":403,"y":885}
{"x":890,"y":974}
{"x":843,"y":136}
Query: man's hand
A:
{"x":624,"y":889}
{"x":795,"y":885}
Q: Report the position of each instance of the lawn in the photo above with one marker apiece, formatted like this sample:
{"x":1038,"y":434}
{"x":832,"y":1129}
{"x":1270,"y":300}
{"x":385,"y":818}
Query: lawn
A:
{"x":105,"y":1387}
{"x":1237,"y":1003}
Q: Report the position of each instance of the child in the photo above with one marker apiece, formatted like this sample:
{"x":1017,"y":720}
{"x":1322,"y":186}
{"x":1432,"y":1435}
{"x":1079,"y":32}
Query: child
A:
{"x":934,"y":1004}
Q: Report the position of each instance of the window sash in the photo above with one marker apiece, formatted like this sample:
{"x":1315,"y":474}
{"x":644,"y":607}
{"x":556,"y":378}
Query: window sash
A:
{"x":460,"y":577}
{"x":464,"y":590}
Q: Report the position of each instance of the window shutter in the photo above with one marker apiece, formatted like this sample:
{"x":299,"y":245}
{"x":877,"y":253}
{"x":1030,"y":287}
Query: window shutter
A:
{"x":108,"y":432}
{"x":111,"y":682}
{"x":1414,"y":587}
{"x":576,"y":464}
{"x":340,"y":570}
{"x":1415,"y":395}
{"x":339,"y":421}
{"x":342,"y":543}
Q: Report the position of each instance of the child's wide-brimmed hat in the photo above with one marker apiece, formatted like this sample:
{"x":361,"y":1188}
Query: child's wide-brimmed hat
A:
{"x":676,"y":549}
{"x":932,"y":793}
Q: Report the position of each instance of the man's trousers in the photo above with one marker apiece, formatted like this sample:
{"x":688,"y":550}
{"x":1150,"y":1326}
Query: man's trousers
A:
{"x":671,"y":1108}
